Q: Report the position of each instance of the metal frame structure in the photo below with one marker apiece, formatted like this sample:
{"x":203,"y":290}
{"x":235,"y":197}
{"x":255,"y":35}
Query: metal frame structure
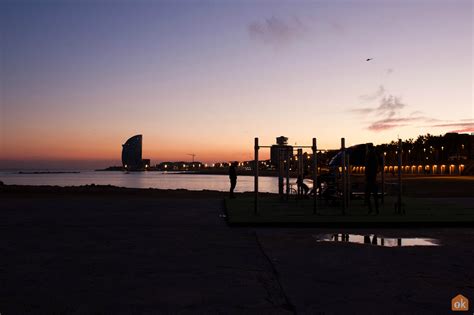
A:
{"x":314,"y":148}
{"x":345,"y":171}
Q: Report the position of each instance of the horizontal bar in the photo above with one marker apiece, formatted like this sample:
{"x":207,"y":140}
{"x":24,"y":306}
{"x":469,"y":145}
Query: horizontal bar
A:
{"x":294,"y":146}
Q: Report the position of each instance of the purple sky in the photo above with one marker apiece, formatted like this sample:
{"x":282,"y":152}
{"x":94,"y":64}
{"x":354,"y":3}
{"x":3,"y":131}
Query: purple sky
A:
{"x":79,"y":77}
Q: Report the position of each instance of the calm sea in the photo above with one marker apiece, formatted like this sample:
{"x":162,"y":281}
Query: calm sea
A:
{"x":160,"y":180}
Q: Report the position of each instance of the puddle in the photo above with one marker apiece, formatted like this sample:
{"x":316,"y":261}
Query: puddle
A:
{"x":376,"y":240}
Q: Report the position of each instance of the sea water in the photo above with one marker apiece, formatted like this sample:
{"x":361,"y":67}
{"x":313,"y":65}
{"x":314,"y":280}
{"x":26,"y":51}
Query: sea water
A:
{"x":161,"y":180}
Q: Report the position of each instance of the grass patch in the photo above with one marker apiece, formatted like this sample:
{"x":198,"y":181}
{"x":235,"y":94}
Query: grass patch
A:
{"x":273,"y":211}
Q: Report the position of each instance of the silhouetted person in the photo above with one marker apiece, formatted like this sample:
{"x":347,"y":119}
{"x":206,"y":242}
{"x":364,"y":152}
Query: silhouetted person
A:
{"x":346,"y":237}
{"x":233,"y":178}
{"x":367,"y":239}
{"x":371,"y":169}
{"x":374,"y":240}
{"x":301,"y":185}
{"x":317,"y":188}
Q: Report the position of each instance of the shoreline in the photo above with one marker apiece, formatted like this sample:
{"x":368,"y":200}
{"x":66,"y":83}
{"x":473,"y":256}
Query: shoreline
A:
{"x":110,"y":190}
{"x":418,"y":187}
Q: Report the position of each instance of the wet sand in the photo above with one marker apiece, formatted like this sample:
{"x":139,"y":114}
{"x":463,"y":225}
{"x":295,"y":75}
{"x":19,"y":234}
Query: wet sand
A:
{"x":95,"y":250}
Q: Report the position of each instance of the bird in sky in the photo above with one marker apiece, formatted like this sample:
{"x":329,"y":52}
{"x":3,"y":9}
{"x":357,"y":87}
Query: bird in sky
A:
{"x":369,"y":59}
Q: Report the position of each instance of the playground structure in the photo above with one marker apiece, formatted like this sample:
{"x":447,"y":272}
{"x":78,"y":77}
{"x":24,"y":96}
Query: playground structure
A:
{"x":281,"y":153}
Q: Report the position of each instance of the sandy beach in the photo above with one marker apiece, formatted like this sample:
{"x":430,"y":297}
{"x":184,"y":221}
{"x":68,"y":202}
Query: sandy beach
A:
{"x":109,"y":250}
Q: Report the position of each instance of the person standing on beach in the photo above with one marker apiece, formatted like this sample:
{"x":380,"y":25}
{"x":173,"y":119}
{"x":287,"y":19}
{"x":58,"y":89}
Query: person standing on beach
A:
{"x":233,"y":178}
{"x":371,"y":169}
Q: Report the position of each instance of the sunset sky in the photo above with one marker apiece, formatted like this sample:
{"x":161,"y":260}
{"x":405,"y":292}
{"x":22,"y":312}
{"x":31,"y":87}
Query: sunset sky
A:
{"x":78,"y":78}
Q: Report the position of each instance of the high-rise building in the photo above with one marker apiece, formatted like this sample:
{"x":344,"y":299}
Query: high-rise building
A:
{"x":132,"y":153}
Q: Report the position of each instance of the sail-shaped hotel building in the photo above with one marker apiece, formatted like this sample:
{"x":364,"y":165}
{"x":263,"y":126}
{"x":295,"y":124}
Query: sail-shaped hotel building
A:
{"x":132,"y":153}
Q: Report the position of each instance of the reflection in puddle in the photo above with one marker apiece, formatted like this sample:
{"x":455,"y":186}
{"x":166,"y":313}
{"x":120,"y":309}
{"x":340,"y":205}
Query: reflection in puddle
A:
{"x":373,"y":239}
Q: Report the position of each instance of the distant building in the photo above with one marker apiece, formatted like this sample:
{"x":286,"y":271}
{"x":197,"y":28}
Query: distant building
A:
{"x":132,"y":154}
{"x":180,"y":166}
{"x":280,"y":151}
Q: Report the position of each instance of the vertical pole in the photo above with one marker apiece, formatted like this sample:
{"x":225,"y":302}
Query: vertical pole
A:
{"x":288,"y":154}
{"x":256,"y":176}
{"x":343,"y":160}
{"x":300,"y":169}
{"x":315,"y":176}
{"x":348,"y":189}
{"x":399,"y":208}
{"x":280,"y":173}
{"x":383,"y":177}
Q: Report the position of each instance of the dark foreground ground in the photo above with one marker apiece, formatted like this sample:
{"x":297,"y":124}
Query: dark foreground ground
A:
{"x":131,"y":252}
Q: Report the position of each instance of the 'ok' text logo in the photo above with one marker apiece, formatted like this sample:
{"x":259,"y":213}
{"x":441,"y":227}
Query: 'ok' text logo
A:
{"x":460,"y":303}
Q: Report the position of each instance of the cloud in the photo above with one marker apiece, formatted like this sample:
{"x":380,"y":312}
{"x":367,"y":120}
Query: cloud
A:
{"x":388,"y":106}
{"x":416,"y":112}
{"x":460,"y":126}
{"x":463,"y":125}
{"x":384,"y":126}
{"x":388,"y":114}
{"x":390,"y":123}
{"x":277,"y":31}
{"x":467,"y":129}
{"x":372,"y":97}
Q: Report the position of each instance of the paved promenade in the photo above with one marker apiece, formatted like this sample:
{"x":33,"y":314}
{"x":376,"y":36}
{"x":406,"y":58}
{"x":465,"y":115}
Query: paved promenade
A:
{"x":144,"y":254}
